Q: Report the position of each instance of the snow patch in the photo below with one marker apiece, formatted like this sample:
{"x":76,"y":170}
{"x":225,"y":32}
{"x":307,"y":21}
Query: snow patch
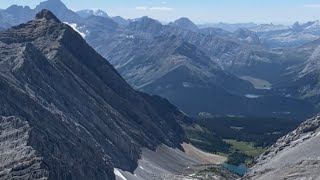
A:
{"x":99,"y":12}
{"x":94,"y":12}
{"x":315,"y":24}
{"x":119,"y":174}
{"x":130,"y":37}
{"x":252,"y":96}
{"x":76,"y":28}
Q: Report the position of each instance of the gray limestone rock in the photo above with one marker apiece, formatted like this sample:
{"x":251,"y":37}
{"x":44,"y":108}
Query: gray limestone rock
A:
{"x":294,"y":156}
{"x":67,"y":113}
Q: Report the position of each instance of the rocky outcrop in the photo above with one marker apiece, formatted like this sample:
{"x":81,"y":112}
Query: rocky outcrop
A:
{"x":18,"y":159}
{"x":67,"y":113}
{"x":294,"y":156}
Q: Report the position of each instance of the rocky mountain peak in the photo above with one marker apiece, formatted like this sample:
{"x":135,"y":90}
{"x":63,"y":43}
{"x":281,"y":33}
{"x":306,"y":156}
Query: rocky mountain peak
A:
{"x":145,"y":24}
{"x":47,"y":15}
{"x":82,"y":119}
{"x":146,"y":19}
{"x":52,"y":3}
{"x":60,"y":10}
{"x":296,"y":26}
{"x":185,"y":23}
{"x":17,"y":8}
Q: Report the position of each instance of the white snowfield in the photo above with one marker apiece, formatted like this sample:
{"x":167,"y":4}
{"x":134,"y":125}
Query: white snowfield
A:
{"x":76,"y":28}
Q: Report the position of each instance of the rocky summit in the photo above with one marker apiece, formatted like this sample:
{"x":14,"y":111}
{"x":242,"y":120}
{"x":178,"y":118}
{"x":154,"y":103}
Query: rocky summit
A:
{"x":65,"y":111}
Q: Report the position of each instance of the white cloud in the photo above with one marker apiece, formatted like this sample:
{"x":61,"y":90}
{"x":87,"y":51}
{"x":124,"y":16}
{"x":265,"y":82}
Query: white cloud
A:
{"x":312,"y":5}
{"x":144,"y":8}
{"x":160,"y":8}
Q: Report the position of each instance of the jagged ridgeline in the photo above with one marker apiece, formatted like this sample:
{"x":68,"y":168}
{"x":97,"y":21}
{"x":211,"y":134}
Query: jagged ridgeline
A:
{"x":65,"y":111}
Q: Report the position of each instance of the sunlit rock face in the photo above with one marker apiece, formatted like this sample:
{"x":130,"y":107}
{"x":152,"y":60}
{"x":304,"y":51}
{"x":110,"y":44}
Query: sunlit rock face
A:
{"x":294,"y":156}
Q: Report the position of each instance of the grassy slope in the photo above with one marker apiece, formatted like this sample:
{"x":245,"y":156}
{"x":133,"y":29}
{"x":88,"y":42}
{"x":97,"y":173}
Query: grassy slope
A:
{"x":247,"y":148}
{"x":239,"y":139}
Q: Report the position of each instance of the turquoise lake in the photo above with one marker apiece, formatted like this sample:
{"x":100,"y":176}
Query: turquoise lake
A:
{"x":240,"y":170}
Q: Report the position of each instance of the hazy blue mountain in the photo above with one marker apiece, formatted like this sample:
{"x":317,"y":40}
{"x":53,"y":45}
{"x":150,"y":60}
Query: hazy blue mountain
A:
{"x":59,"y":9}
{"x":120,"y":20}
{"x":164,"y":60}
{"x":4,"y":24}
{"x":185,"y":23}
{"x":17,"y":14}
{"x":228,"y":26}
{"x":275,"y":36}
{"x":215,"y":32}
{"x":145,"y":25}
{"x":245,"y":35}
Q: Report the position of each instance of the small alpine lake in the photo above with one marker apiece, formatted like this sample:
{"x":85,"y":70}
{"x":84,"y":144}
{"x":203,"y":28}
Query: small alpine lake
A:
{"x":240,"y":170}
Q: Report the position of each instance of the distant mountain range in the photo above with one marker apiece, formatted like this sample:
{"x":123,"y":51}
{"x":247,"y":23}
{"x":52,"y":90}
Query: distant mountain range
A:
{"x":176,"y":63}
{"x":228,"y":26}
{"x":276,"y":35}
{"x":197,"y":69}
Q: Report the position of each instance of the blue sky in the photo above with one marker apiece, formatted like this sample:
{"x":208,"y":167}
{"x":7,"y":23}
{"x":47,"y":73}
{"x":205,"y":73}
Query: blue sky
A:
{"x":200,"y":11}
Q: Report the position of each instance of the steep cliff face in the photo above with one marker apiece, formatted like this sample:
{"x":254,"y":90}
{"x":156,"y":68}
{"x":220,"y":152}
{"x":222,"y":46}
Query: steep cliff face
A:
{"x":294,"y":156}
{"x":66,"y":112}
